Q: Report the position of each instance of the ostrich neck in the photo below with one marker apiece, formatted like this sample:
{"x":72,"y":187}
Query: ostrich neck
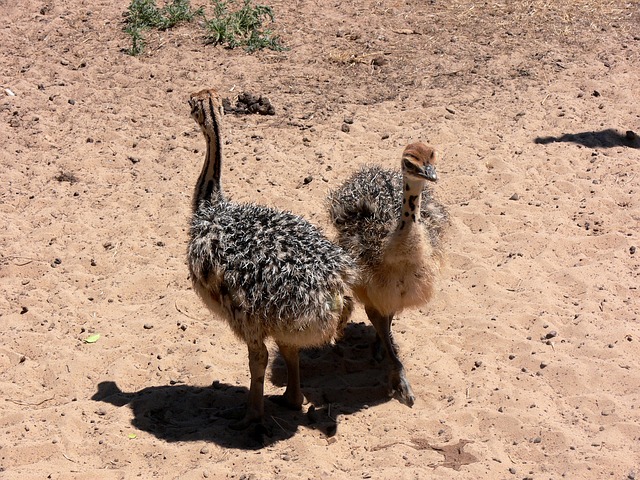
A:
{"x":208,"y":182}
{"x":412,"y":196}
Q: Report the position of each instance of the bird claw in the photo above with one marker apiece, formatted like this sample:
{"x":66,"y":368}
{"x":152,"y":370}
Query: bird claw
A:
{"x":283,"y":401}
{"x":402,"y":391}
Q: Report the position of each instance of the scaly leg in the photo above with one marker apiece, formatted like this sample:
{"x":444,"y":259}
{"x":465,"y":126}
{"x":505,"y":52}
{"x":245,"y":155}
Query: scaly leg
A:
{"x":398,"y":380}
{"x":258,"y":359}
{"x":293,"y":397}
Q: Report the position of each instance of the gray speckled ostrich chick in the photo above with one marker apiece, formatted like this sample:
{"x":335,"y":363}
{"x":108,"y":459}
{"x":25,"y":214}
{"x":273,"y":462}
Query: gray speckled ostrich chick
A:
{"x":392,"y":225}
{"x":268,"y":273}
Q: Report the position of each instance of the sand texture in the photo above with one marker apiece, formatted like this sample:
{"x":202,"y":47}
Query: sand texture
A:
{"x":526,"y":364}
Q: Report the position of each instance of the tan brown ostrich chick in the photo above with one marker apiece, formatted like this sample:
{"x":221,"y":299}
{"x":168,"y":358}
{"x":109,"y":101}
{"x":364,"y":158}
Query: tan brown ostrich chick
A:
{"x":391,"y":224}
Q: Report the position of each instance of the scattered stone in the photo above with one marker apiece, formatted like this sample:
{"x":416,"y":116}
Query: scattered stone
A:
{"x":551,"y":334}
{"x":512,"y":356}
{"x":450,"y":110}
{"x":384,"y":136}
{"x":515,"y":196}
{"x":204,"y":450}
{"x":147,"y":326}
{"x":345,"y":128}
{"x":133,"y":160}
{"x":512,"y":471}
{"x":632,"y":249}
{"x":24,"y":310}
{"x":348,"y":120}
{"x":544,"y":364}
{"x":596,"y":93}
{"x":537,"y":440}
{"x":307,"y":180}
{"x":478,"y":363}
{"x":72,"y":101}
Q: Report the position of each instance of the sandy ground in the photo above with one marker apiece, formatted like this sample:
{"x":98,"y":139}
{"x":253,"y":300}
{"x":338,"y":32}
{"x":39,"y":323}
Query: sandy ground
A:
{"x":527,"y":363}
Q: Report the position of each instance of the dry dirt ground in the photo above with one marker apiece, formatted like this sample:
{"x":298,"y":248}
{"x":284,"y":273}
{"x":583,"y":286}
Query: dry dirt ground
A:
{"x":527,"y":363}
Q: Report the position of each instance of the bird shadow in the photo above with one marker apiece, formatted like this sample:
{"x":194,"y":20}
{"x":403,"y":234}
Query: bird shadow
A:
{"x":608,"y":138}
{"x":337,"y":380}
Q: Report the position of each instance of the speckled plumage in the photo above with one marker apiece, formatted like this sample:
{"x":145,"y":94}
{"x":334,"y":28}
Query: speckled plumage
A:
{"x":274,"y":267}
{"x":366,"y":208}
{"x":268,"y":273}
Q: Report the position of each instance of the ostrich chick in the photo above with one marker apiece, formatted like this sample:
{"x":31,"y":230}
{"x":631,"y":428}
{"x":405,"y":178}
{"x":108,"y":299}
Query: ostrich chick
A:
{"x":392,"y":226}
{"x":268,"y":273}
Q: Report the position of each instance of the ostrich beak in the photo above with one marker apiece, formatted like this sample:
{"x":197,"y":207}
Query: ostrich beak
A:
{"x":429,"y":172}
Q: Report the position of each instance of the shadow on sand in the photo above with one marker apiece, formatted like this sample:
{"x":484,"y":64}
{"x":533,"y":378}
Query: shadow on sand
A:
{"x":337,"y":380}
{"x":603,"y":139}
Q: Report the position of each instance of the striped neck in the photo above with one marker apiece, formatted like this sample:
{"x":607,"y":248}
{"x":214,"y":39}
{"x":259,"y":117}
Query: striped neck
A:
{"x":208,"y":183}
{"x":412,"y":196}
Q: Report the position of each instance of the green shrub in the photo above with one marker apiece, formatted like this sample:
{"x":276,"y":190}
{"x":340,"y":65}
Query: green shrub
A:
{"x":145,"y":14}
{"x":242,"y":26}
{"x":232,"y":27}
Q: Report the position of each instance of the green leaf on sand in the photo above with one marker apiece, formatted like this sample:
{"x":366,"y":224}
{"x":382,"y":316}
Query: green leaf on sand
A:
{"x":92,"y":338}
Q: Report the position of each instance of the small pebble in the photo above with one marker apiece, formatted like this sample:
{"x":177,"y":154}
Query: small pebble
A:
{"x":204,"y":450}
{"x":512,"y":471}
{"x":515,"y":196}
{"x":147,"y":326}
{"x":551,"y":334}
{"x":345,"y":128}
{"x":72,"y":101}
{"x":24,"y":310}
{"x":307,"y":180}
